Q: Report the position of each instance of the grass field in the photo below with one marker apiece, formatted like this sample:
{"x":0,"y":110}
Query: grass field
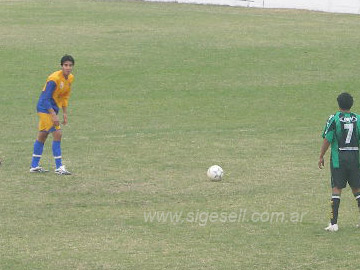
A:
{"x":161,"y":92}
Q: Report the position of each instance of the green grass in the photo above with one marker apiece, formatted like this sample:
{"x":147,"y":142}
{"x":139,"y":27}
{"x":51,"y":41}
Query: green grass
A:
{"x":161,"y":92}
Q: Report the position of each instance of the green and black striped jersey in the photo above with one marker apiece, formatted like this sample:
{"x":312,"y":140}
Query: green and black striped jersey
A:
{"x":342,"y":130}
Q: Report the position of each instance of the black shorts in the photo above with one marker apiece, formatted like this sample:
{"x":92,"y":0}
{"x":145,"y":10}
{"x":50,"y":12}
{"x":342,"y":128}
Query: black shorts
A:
{"x":349,"y":171}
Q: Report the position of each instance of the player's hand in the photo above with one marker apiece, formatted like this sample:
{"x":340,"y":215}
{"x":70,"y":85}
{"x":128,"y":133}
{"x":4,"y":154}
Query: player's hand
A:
{"x":321,"y":163}
{"x":65,"y":119}
{"x":55,"y":120}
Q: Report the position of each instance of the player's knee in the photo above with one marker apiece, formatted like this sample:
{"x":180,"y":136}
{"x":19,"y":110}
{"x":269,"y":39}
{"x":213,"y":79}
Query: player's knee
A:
{"x":336,"y":190}
{"x":57,"y":135}
{"x":42,"y":136}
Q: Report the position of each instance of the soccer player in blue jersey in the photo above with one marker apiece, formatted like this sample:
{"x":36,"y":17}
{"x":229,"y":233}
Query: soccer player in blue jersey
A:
{"x":342,"y":132}
{"x":55,"y":95}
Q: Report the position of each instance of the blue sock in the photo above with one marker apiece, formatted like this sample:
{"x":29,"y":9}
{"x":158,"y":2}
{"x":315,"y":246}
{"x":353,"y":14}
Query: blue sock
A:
{"x":38,"y":149}
{"x":57,"y":153}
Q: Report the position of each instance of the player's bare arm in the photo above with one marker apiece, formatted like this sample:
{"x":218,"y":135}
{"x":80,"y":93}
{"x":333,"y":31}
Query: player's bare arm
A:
{"x":54,"y":117}
{"x":324,"y":148}
{"x":65,"y":117}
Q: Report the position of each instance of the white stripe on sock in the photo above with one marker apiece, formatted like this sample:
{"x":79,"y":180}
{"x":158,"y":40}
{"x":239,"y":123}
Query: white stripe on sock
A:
{"x":335,"y":197}
{"x":36,"y":155}
{"x":57,"y":157}
{"x":357,"y":197}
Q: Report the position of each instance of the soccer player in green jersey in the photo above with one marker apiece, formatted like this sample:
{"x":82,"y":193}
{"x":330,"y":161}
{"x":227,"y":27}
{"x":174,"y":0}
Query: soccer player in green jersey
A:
{"x":342,"y":132}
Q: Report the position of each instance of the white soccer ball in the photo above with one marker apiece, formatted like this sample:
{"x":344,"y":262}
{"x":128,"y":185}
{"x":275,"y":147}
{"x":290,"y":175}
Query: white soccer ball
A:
{"x":215,"y":173}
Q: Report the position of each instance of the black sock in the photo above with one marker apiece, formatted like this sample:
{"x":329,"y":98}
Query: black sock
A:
{"x":357,"y":197}
{"x":335,"y":203}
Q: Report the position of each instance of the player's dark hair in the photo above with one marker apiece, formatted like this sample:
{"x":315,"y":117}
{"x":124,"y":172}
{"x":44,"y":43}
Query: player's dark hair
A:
{"x":345,"y":101}
{"x":67,"y":57}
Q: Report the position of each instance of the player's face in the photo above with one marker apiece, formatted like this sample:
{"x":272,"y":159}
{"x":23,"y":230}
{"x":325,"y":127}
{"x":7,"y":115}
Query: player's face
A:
{"x":67,"y":68}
